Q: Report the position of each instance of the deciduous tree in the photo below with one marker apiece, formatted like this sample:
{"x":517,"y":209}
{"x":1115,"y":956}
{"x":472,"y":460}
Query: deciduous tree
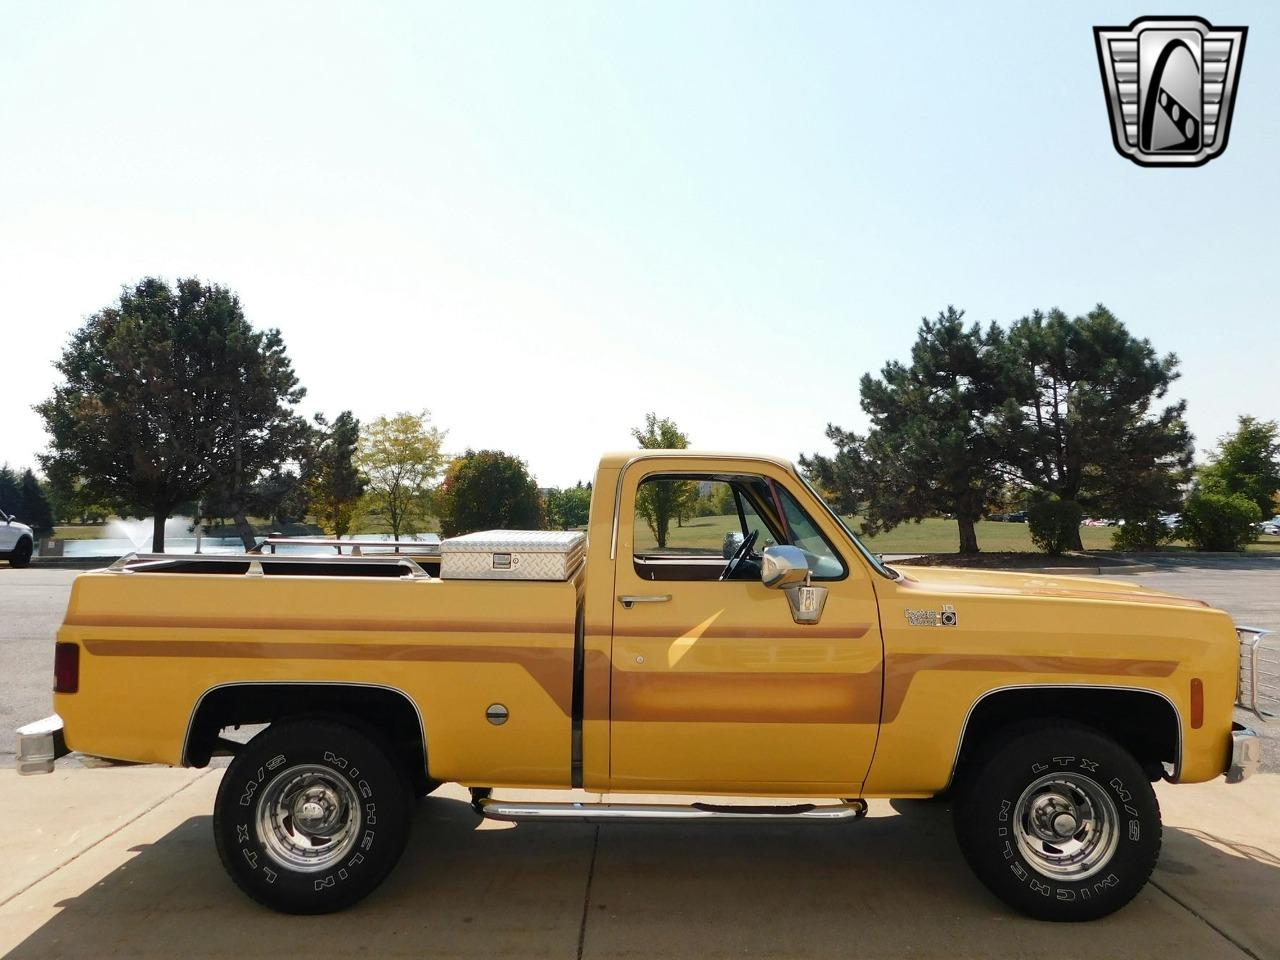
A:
{"x":568,"y":507}
{"x":1247,"y":463}
{"x":167,"y":393}
{"x":660,"y":503}
{"x":488,"y":490}
{"x":400,"y":458}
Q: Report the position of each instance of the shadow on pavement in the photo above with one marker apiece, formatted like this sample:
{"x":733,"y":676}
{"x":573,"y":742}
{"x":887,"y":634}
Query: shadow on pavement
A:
{"x":882,"y":886}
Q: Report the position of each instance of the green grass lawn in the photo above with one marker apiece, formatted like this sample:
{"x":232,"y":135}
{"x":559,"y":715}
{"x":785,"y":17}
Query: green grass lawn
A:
{"x":79,"y":531}
{"x":927,"y":536}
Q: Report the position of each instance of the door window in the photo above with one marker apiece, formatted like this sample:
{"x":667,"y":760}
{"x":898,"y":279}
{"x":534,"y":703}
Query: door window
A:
{"x":687,"y":527}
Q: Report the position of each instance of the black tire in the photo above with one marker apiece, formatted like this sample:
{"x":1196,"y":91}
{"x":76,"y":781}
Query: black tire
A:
{"x":344,"y":777}
{"x":1019,"y":865}
{"x":21,"y":555}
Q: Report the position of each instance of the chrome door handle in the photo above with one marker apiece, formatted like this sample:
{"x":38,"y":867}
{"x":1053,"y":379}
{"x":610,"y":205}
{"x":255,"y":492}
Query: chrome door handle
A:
{"x":629,"y":601}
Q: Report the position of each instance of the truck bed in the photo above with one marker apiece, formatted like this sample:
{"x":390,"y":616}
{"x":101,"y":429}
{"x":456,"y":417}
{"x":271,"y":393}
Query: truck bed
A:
{"x":176,"y":632}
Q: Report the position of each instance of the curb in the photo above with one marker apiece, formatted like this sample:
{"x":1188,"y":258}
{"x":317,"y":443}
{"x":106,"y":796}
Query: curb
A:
{"x":1127,"y":567}
{"x":74,"y":563}
{"x":1122,"y":568}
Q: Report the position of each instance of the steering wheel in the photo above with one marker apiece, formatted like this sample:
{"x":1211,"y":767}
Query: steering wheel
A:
{"x":743,"y":551}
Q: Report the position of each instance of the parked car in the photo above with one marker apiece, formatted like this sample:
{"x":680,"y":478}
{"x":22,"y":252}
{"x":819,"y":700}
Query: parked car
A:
{"x":17,"y":541}
{"x":1270,"y":527}
{"x":1040,"y":704}
{"x":1018,"y":517}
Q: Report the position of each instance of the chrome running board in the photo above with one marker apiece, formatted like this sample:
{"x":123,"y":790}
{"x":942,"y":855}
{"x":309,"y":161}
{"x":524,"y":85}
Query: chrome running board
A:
{"x":515,"y":810}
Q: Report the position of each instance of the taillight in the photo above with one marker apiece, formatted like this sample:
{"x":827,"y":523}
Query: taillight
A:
{"x":66,"y":667}
{"x":1197,"y":703}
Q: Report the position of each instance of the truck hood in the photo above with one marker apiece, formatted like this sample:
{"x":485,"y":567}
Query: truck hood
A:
{"x":956,"y":580}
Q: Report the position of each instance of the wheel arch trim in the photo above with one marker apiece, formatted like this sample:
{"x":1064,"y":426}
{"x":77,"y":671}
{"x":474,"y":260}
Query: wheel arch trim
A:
{"x":964,"y":727}
{"x":195,"y":709}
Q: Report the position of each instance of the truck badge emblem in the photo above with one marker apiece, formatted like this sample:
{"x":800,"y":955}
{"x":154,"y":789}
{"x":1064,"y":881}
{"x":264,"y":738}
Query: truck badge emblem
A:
{"x":946,"y":617}
{"x":1170,"y":84}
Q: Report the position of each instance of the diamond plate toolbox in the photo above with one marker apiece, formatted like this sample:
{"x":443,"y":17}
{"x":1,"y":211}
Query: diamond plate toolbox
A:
{"x":512,"y":555}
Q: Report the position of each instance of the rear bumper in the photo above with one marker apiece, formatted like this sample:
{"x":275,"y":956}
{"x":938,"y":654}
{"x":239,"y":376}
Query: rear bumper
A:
{"x":1246,"y":754}
{"x":40,"y":743}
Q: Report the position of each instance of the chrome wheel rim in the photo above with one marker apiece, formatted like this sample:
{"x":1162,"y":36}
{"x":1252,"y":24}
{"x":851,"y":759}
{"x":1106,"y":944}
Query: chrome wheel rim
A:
{"x":308,"y":818}
{"x":1066,"y":826}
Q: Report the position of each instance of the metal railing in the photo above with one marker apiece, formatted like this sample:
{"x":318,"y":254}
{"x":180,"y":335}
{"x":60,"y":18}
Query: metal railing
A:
{"x":356,"y":548}
{"x":135,"y":563}
{"x":1258,"y":689}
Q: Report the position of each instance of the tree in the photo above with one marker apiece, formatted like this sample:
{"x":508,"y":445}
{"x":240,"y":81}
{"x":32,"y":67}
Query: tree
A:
{"x":1053,"y":524}
{"x":1247,"y":463}
{"x":334,"y":484}
{"x":660,"y":503}
{"x":72,"y":504}
{"x":400,"y":459}
{"x":488,"y":490}
{"x":167,"y":394}
{"x":934,"y":446}
{"x":569,"y":507}
{"x":35,"y":512}
{"x":1218,"y":521}
{"x":1085,"y":421}
{"x":10,"y":491}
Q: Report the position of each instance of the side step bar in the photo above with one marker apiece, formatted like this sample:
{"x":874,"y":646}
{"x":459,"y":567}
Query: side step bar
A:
{"x":515,"y":810}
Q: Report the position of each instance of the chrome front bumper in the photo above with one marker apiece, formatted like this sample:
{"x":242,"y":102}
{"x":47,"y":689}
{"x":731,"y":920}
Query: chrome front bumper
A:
{"x":40,"y":743}
{"x":1246,"y":754}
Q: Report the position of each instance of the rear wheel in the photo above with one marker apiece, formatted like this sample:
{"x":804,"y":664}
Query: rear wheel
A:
{"x":21,"y":555}
{"x":1060,"y":822}
{"x":311,"y":816}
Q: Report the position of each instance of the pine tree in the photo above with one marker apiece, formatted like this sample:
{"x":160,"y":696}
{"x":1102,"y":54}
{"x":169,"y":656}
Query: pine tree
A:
{"x":35,"y":511}
{"x":1086,"y":422}
{"x":933,"y":447}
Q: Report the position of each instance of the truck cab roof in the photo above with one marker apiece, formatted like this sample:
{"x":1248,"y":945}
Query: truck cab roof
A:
{"x":617,"y":459}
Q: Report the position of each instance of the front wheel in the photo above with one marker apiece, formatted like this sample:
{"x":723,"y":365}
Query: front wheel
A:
{"x":311,"y":816}
{"x":21,"y":555}
{"x":1060,"y":823}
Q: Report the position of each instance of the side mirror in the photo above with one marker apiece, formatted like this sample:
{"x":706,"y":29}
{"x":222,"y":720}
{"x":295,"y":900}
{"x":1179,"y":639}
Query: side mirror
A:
{"x":783,"y":566}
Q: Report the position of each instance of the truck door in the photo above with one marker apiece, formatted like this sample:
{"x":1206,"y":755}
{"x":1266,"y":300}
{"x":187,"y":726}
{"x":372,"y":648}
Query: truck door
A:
{"x":714,"y":685}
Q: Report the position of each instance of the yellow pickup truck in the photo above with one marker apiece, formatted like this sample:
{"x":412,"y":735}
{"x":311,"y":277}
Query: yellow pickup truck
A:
{"x":761,"y":651}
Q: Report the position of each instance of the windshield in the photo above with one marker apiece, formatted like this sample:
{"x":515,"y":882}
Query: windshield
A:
{"x":870,"y":557}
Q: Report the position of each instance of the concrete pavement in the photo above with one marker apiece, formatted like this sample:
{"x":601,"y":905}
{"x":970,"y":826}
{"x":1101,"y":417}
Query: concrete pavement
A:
{"x":121,"y":863}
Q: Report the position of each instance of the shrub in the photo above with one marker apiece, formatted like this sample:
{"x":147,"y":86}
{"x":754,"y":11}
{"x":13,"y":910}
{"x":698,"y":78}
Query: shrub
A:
{"x":1219,"y":521}
{"x":1141,"y":533}
{"x":1054,"y":523}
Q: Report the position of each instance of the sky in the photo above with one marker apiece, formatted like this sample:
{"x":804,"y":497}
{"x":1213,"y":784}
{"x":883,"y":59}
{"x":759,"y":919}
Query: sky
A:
{"x":540,"y":221}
